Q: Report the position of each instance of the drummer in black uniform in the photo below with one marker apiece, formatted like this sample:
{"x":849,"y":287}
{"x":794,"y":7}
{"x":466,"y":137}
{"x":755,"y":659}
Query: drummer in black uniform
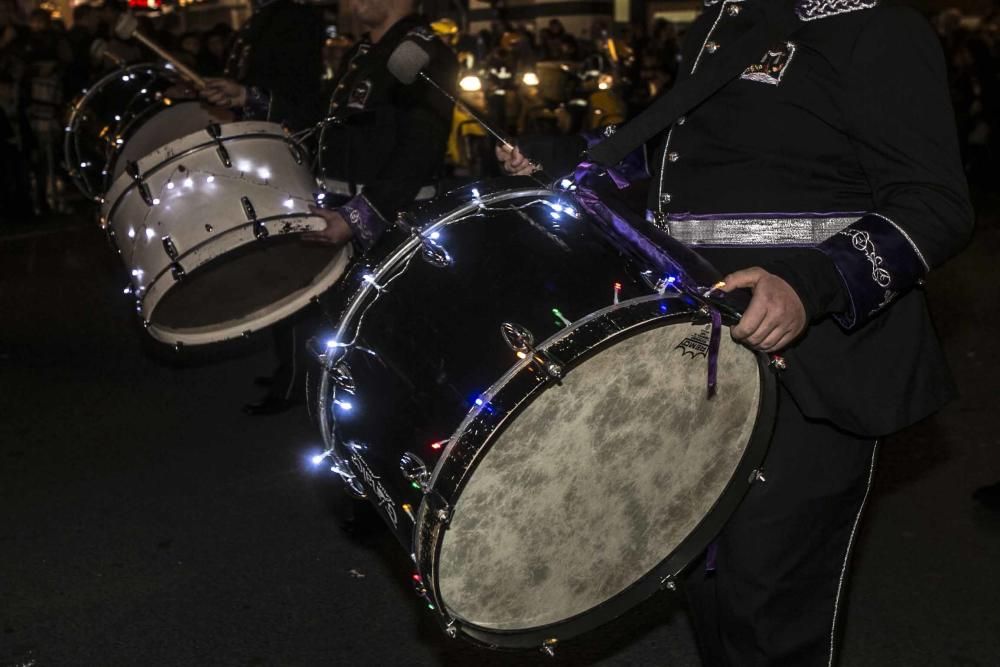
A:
{"x":381,"y":149}
{"x":274,"y":67}
{"x":383,"y":144}
{"x":824,"y":175}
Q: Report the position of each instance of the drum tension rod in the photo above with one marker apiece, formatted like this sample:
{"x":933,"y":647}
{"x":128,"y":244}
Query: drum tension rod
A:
{"x":215,"y":132}
{"x":522,"y":341}
{"x":132,"y":169}
{"x":176,"y":270}
{"x":259,"y":230}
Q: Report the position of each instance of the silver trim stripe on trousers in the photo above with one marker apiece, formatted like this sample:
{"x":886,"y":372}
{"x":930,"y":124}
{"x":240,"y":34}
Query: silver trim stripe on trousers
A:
{"x":755,"y":231}
{"x":847,"y":557}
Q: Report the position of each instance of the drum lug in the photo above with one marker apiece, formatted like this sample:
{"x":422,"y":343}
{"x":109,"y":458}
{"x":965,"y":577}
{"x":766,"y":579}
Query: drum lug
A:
{"x":296,"y":152}
{"x":177,"y":271}
{"x":415,"y":471}
{"x":132,"y":169}
{"x":215,"y":132}
{"x":432,"y":251}
{"x":351,"y":484}
{"x":668,"y":583}
{"x":259,"y":230}
{"x":518,"y":338}
{"x":451,"y":630}
{"x":757,"y":475}
{"x":435,"y":255}
{"x":169,"y":247}
{"x":341,"y":376}
{"x":549,"y":647}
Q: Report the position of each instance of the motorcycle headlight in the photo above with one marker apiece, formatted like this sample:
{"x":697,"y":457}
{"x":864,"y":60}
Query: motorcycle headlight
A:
{"x":471,"y":84}
{"x":530,"y":79}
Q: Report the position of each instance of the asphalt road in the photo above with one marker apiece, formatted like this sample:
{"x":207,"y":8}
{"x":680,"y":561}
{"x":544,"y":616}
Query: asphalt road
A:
{"x":145,"y":521}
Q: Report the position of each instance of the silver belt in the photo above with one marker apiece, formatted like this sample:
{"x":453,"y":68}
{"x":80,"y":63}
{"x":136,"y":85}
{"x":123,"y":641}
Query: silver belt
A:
{"x":343,"y":188}
{"x":755,"y":231}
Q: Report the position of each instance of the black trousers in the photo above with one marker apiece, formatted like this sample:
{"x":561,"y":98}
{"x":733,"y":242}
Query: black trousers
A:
{"x":292,"y":355}
{"x":772,"y":586}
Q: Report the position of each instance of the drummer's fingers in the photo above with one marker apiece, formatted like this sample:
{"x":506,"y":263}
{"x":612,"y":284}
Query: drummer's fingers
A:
{"x":751,"y":320}
{"x":769,"y":326}
{"x":747,"y":278}
{"x":773,"y":339}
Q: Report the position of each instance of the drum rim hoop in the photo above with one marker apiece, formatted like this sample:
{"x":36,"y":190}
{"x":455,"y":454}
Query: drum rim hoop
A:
{"x":73,"y":122}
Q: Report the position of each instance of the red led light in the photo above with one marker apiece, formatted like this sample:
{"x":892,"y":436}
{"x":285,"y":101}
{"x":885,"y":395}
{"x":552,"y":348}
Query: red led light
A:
{"x":416,"y":576}
{"x":438,"y":445}
{"x":618,"y":286}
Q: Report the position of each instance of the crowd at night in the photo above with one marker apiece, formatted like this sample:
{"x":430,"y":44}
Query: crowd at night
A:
{"x":44,"y":66}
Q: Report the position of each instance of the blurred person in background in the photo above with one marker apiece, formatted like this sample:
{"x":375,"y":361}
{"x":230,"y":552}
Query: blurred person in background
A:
{"x":15,"y":204}
{"x":80,"y":38}
{"x":212,"y":61}
{"x":46,"y":54}
{"x":274,"y":68}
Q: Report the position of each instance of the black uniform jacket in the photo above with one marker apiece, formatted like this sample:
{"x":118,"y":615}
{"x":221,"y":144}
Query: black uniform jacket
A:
{"x":278,"y":55}
{"x":849,"y":114}
{"x":384,"y":138}
{"x":846,"y":118}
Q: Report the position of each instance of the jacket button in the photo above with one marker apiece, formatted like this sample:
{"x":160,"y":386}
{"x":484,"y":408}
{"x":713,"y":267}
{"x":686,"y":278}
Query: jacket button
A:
{"x":733,"y":10}
{"x":711,"y":47}
{"x":673,"y":156}
{"x":665,"y":197}
{"x":682,"y":120}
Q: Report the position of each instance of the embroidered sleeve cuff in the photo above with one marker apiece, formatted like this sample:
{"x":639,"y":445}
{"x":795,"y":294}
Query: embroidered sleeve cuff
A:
{"x":366,"y":223}
{"x":258,"y":104}
{"x":877,"y":261}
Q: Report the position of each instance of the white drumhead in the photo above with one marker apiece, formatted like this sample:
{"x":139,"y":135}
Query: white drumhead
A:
{"x":166,"y":125}
{"x":598,"y":480}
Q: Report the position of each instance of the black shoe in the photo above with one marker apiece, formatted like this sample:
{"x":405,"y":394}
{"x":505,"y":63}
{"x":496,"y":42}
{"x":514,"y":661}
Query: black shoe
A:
{"x":989,"y":496}
{"x":265,"y":381}
{"x":271,"y":405}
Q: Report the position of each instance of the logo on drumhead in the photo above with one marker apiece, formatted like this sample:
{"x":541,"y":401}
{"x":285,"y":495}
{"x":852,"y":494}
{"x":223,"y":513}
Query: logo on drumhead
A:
{"x":696,"y":345}
{"x":371,"y":480}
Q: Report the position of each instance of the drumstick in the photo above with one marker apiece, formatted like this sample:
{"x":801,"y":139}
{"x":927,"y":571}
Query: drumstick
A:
{"x":127,"y":27}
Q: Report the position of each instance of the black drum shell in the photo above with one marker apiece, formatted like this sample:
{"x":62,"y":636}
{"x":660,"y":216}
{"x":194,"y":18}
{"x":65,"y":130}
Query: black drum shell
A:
{"x":422,"y":346}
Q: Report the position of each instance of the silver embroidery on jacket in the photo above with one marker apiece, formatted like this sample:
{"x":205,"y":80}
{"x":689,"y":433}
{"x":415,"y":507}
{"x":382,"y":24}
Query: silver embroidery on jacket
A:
{"x":862,"y":241}
{"x":809,"y":10}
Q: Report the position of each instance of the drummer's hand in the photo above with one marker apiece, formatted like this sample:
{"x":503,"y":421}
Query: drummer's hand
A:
{"x":514,"y":162}
{"x":337,"y":231}
{"x":775,"y":316}
{"x":224,"y":93}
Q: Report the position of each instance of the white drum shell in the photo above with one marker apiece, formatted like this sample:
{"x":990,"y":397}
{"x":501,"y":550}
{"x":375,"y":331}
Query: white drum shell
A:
{"x":198,"y":214}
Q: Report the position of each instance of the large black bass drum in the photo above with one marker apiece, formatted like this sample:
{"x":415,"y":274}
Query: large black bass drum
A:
{"x":125,"y":116}
{"x":530,"y":415}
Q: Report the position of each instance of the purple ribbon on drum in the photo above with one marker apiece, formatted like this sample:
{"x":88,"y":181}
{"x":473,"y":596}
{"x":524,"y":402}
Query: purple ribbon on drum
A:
{"x":654,"y":255}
